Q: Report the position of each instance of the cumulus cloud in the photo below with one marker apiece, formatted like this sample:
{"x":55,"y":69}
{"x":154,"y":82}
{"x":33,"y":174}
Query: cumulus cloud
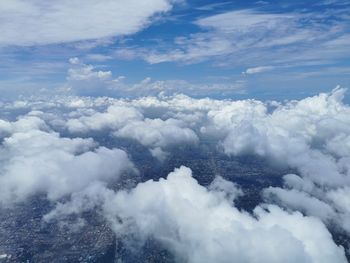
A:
{"x":304,"y":135}
{"x":114,"y":117}
{"x":158,"y":134}
{"x":87,"y":80}
{"x":309,"y":136}
{"x":36,"y":161}
{"x":38,"y":22}
{"x":129,"y":122}
{"x":201,"y":225}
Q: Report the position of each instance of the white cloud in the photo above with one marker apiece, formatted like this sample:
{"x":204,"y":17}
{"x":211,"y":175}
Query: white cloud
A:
{"x":36,"y":161}
{"x":114,"y":118}
{"x":200,"y":225}
{"x":38,"y":22}
{"x":302,"y":201}
{"x":256,"y":70}
{"x":308,"y":135}
{"x":334,"y":2}
{"x":129,"y":122}
{"x":98,"y":57}
{"x":158,"y":134}
{"x":244,"y":20}
{"x":311,"y":136}
{"x":249,"y":37}
{"x":87,"y":80}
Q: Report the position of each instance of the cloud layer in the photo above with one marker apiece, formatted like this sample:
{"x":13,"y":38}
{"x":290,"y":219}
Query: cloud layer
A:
{"x":36,"y":22}
{"x":46,"y":149}
{"x":250,"y":37}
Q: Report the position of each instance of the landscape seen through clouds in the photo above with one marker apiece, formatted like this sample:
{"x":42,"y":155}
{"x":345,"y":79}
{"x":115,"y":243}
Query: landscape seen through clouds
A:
{"x":174,"y":131}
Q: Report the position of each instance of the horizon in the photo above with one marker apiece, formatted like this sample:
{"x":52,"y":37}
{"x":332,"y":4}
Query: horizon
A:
{"x":174,"y":131}
{"x":268,"y":50}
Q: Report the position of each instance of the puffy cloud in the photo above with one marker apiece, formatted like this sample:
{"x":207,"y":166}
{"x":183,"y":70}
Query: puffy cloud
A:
{"x":303,"y":126}
{"x":339,"y":145}
{"x":22,"y":125}
{"x":158,"y":134}
{"x":86,"y":72}
{"x":201,"y":225}
{"x":88,"y":80}
{"x":128,"y":122}
{"x":302,"y":201}
{"x":310,"y":136}
{"x":38,"y":22}
{"x":327,"y":203}
{"x":115,"y":117}
{"x":35,"y":161}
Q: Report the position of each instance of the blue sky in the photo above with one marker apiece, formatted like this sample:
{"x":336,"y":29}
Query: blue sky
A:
{"x":237,"y":49}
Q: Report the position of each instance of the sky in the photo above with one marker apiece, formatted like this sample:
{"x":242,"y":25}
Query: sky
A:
{"x":264,"y":79}
{"x":270,"y":50}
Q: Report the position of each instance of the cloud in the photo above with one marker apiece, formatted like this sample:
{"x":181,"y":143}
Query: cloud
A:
{"x":250,"y":37}
{"x":256,"y":70}
{"x":98,"y":57}
{"x":158,"y":134}
{"x":210,"y":7}
{"x":333,"y":2}
{"x":304,"y":135}
{"x":36,"y":161}
{"x":200,"y":225}
{"x":308,"y":136}
{"x":87,"y":80}
{"x":129,"y":122}
{"x":33,"y":22}
{"x":115,"y":117}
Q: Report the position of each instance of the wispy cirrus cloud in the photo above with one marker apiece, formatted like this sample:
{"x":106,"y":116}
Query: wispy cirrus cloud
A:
{"x":250,"y":38}
{"x":256,"y":70}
